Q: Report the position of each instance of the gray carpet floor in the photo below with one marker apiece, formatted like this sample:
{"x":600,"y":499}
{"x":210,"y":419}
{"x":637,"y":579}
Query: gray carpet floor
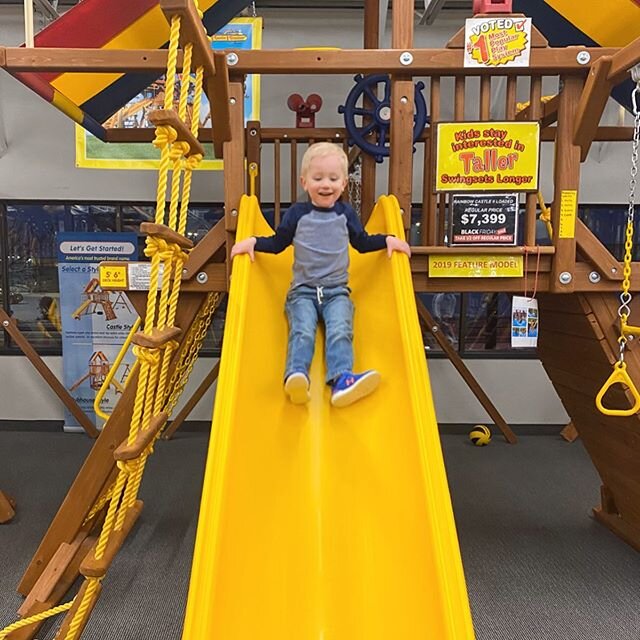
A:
{"x":538,"y":567}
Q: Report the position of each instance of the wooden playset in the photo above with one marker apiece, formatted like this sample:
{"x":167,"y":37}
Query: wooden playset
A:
{"x":578,"y":281}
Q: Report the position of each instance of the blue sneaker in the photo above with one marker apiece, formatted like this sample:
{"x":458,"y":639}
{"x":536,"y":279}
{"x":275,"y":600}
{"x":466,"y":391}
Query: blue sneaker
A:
{"x":350,"y":387}
{"x":296,"y":386}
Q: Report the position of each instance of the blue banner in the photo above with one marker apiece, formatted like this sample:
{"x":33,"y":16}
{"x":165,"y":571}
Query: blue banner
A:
{"x":95,"y":323}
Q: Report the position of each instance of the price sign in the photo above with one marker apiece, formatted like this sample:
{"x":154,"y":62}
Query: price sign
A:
{"x":484,"y":219}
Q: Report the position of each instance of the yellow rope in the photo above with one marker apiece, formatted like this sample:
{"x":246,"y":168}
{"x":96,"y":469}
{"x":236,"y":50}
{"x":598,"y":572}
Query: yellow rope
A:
{"x":162,"y":304}
{"x":38,"y":617}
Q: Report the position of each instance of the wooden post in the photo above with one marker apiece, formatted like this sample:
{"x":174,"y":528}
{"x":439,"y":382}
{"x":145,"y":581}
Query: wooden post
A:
{"x":253,"y":154}
{"x":429,"y":219}
{"x":11,"y":327}
{"x":535,"y":94}
{"x":566,"y":184}
{"x":467,"y":376}
{"x":368,"y":166}
{"x":402,"y":108}
{"x":234,"y":160}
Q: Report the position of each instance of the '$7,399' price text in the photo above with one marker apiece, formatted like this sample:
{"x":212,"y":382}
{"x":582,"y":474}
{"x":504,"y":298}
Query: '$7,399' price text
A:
{"x":483,"y":218}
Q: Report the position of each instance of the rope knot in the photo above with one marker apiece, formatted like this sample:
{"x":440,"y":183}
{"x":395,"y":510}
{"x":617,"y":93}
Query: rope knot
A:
{"x":146,"y":355}
{"x":193,"y":161}
{"x":179,"y":149}
{"x":164,"y":135}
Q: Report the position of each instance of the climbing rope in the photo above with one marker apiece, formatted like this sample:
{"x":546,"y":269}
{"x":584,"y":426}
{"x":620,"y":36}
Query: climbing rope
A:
{"x":627,"y":331}
{"x":156,"y":346}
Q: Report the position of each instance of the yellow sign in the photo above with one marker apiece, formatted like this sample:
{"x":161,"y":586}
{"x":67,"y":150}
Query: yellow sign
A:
{"x":487,"y":156}
{"x":568,"y":204}
{"x":497,"y":42}
{"x":475,"y":266}
{"x":113,"y":276}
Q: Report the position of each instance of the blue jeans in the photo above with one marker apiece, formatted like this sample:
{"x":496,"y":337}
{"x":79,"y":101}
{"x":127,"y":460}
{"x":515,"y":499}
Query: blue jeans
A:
{"x":305,"y":306}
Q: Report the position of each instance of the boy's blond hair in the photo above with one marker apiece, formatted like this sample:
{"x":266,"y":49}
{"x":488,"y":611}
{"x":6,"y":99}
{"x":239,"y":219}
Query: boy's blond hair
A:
{"x":322,"y":150}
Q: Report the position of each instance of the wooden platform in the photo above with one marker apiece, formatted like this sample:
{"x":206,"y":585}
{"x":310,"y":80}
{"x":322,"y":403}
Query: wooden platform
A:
{"x":578,"y":346}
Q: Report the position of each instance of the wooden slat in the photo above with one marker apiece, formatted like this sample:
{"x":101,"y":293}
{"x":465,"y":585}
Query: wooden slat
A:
{"x":276,"y":178}
{"x":596,"y":253}
{"x":157,"y":339}
{"x":593,"y":100}
{"x":566,"y":179}
{"x":430,"y":229}
{"x":253,"y":142}
{"x":93,"y":567}
{"x":10,"y":326}
{"x":165,"y":233}
{"x":401,"y":154}
{"x":191,"y":31}
{"x":289,"y":62}
{"x":531,"y":200}
{"x":560,"y":323}
{"x":144,"y":438}
{"x":623,"y":60}
{"x":510,"y":99}
{"x":465,"y":373}
{"x":204,"y":250}
{"x":221,"y":102}
{"x":50,"y":577}
{"x":293,"y":170}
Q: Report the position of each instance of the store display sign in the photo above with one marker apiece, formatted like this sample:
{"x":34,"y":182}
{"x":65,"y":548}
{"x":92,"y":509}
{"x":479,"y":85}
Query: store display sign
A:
{"x":92,"y":153}
{"x":484,"y":219}
{"x":475,"y":266}
{"x":487,"y":156}
{"x":525,"y":322}
{"x":95,"y":322}
{"x":497,"y":42}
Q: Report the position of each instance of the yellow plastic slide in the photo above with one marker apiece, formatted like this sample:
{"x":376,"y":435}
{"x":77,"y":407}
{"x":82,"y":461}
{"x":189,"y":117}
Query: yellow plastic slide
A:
{"x":319,"y":523}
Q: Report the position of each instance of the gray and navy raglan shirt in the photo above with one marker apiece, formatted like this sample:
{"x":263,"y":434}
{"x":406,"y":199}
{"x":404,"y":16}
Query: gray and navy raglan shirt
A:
{"x":320,"y":238}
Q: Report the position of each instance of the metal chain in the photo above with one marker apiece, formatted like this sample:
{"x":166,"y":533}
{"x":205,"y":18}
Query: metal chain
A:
{"x":189,"y":355}
{"x":624,"y":310}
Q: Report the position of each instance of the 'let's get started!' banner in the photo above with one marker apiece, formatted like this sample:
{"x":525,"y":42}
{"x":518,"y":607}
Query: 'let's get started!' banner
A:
{"x":492,"y":156}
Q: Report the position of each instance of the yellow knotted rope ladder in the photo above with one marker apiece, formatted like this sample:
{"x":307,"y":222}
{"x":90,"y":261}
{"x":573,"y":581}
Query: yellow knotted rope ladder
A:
{"x":154,"y":349}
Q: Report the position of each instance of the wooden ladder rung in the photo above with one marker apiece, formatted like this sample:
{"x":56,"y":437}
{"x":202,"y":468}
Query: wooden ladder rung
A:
{"x":164,"y":117}
{"x":62,"y":632}
{"x":191,"y":31}
{"x":92,"y":568}
{"x":166,"y":233}
{"x":143,"y":439}
{"x":157,"y":339}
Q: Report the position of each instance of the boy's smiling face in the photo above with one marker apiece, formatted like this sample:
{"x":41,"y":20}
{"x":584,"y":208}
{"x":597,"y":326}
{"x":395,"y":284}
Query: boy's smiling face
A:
{"x":324,"y":181}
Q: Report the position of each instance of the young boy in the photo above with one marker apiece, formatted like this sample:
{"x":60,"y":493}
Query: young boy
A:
{"x":320,"y":231}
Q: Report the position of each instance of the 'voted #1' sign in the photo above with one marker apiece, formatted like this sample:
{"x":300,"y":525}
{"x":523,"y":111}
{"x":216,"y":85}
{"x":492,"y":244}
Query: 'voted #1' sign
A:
{"x":492,"y":156}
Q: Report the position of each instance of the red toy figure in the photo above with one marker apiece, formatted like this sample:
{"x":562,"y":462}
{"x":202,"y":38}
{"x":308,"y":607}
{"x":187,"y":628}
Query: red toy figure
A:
{"x":305,"y":109}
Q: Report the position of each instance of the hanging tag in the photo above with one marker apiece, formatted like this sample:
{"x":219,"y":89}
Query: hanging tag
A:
{"x":524,"y":322}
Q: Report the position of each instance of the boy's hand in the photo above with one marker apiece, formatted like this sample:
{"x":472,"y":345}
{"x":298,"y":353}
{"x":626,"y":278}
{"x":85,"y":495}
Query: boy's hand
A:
{"x":395,"y":244}
{"x":244,"y":246}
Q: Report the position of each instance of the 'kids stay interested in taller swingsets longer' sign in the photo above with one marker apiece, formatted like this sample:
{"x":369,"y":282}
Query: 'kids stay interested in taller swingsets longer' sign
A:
{"x":490,"y":156}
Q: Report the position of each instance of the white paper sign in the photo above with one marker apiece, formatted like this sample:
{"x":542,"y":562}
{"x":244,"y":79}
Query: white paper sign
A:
{"x":524,"y":322}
